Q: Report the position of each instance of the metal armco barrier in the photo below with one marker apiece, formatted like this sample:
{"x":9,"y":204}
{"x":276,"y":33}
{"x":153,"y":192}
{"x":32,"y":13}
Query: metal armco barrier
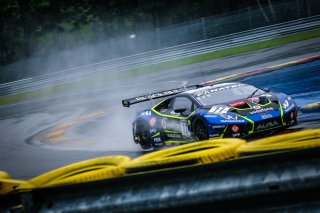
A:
{"x":281,"y":182}
{"x":162,"y":55}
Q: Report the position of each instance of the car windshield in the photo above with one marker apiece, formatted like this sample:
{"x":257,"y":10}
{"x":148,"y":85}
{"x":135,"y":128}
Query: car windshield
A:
{"x":225,"y":94}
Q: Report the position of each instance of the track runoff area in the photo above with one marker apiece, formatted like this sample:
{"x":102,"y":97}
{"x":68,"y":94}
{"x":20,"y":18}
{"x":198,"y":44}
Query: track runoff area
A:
{"x":270,"y":167}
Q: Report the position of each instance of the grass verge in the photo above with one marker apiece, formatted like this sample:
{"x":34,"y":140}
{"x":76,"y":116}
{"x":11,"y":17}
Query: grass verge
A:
{"x":160,"y":66}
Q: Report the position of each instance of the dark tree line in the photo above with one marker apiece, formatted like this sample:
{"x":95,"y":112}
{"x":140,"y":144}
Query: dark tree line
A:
{"x":43,"y":25}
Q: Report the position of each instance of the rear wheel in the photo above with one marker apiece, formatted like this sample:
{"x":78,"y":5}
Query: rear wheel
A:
{"x":200,"y":130}
{"x":144,"y":135}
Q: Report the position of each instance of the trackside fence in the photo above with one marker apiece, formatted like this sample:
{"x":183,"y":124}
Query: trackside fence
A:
{"x":162,"y":55}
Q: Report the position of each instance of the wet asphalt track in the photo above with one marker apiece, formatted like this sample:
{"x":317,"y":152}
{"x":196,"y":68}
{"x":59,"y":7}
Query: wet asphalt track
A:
{"x":301,"y":82}
{"x":23,"y":155}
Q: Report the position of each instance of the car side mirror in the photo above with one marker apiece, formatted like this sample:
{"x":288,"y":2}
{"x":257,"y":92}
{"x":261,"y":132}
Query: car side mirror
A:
{"x":266,"y":89}
{"x":180,"y":110}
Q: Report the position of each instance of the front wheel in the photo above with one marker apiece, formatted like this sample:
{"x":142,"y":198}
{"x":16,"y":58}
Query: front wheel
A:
{"x":143,"y":135}
{"x":200,"y":130}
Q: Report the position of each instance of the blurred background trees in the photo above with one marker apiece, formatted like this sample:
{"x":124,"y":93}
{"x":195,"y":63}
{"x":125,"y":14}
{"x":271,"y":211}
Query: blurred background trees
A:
{"x":39,"y":27}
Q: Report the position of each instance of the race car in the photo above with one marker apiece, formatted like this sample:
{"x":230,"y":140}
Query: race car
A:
{"x":201,"y":112}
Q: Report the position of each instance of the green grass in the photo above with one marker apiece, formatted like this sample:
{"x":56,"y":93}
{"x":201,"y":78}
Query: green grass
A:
{"x":160,"y":66}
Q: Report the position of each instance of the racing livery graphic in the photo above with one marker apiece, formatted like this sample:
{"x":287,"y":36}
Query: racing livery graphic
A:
{"x":196,"y":113}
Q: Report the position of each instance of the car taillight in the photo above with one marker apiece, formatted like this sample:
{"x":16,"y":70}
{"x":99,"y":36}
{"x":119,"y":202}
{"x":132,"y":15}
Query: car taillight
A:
{"x":235,"y":128}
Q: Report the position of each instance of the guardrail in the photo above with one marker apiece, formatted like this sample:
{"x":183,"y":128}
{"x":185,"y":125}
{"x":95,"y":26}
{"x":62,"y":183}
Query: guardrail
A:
{"x":162,"y":55}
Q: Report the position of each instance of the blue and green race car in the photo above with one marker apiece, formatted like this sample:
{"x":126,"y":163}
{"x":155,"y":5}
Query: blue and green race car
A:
{"x":201,"y":112}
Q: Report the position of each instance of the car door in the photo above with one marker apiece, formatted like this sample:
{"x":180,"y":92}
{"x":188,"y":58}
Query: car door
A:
{"x":174,"y":121}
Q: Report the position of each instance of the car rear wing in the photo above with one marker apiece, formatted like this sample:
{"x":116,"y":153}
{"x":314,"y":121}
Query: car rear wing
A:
{"x":156,"y":95}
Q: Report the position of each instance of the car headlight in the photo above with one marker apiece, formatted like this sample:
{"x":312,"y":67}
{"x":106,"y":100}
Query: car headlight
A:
{"x":288,"y":104}
{"x":285,"y":104}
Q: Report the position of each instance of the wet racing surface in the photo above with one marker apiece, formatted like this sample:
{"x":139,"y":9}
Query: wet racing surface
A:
{"x":301,"y":82}
{"x":40,"y":135}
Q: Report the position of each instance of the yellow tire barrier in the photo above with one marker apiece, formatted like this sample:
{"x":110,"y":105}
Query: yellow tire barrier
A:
{"x":298,"y":140}
{"x":312,"y":105}
{"x":203,"y":152}
{"x":7,"y":184}
{"x":98,"y":168}
{"x":84,"y":171}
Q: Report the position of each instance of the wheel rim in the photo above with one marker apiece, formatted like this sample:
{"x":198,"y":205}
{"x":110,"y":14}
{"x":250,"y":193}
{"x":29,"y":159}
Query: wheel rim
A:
{"x":200,"y":131}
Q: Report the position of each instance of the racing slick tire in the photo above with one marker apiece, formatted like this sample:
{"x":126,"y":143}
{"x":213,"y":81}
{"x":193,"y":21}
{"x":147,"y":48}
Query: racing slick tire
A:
{"x":144,"y":135}
{"x":200,"y":129}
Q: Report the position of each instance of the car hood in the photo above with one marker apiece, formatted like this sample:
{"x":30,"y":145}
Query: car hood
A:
{"x":257,"y":107}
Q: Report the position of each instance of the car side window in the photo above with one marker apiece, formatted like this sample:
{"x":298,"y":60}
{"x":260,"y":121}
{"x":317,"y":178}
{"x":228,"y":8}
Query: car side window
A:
{"x":183,"y":102}
{"x":164,"y":106}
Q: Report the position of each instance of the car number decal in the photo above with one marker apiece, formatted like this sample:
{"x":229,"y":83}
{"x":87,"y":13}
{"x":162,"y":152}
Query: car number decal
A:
{"x":184,"y":128}
{"x":219,"y":110}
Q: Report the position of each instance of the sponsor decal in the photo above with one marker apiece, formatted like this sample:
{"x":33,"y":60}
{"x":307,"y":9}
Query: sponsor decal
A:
{"x":236,"y":104}
{"x":152,"y":122}
{"x":236,"y":135}
{"x":211,"y":116}
{"x":235,"y":128}
{"x":174,"y":126}
{"x":230,"y":117}
{"x":175,"y":136}
{"x":267,"y":125}
{"x":158,"y":144}
{"x":219,"y":110}
{"x":159,"y":94}
{"x":157,"y":139}
{"x":164,"y":123}
{"x":214,"y":135}
{"x":153,"y":131}
{"x":217,"y":89}
{"x":170,"y":124}
{"x":218,"y":126}
{"x":232,"y":121}
{"x":254,"y":100}
{"x":172,"y":144}
{"x":266,"y":116}
{"x":256,"y":107}
{"x":261,"y":110}
{"x":146,"y":113}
